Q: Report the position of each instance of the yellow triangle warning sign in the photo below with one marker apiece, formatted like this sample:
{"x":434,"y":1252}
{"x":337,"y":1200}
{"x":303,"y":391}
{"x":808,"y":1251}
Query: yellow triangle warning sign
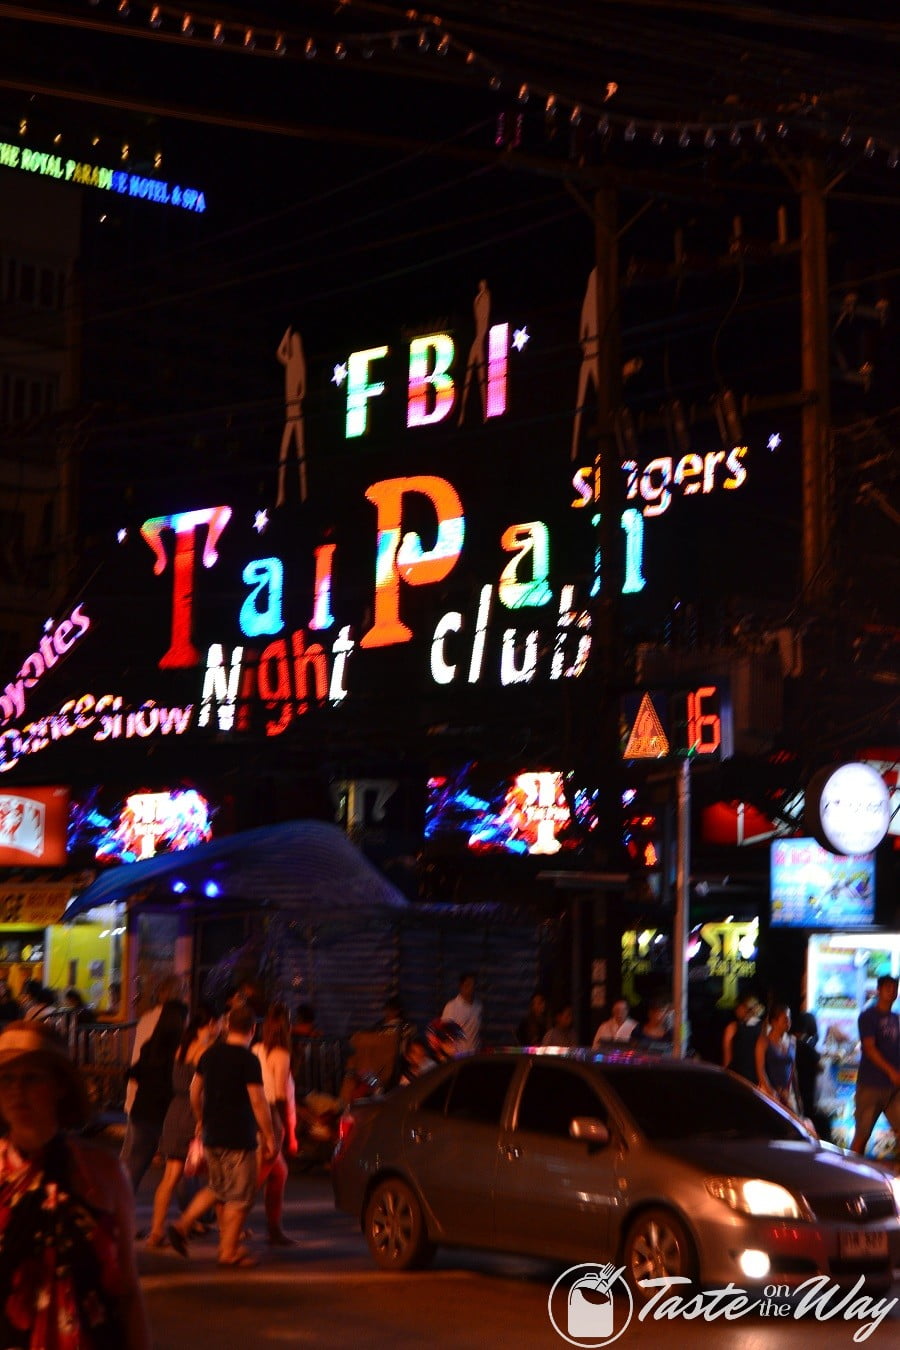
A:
{"x":647,"y":739}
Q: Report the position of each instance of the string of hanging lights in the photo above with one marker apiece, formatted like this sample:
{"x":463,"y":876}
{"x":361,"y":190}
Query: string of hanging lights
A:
{"x":426,"y":35}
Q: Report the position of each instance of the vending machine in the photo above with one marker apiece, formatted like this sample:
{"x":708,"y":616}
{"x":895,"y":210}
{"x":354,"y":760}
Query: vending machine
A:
{"x":841,"y":973}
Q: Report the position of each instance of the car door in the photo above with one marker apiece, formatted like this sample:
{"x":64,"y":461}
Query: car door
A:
{"x":555,"y":1194}
{"x":450,"y":1148}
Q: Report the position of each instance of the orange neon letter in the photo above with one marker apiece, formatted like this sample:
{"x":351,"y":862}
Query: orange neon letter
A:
{"x":402,"y":558}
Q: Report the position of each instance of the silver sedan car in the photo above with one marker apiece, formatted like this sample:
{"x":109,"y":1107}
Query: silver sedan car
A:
{"x":667,"y":1168}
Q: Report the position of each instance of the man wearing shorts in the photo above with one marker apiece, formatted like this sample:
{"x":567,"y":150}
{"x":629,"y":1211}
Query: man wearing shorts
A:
{"x":227,"y":1098}
{"x":878,"y":1079}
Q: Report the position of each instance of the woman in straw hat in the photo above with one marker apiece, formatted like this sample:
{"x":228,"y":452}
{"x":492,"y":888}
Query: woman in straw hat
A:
{"x":67,"y":1273}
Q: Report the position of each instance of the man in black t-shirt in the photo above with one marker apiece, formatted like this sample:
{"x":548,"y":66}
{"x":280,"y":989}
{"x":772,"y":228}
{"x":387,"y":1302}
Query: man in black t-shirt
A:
{"x":228,"y":1100}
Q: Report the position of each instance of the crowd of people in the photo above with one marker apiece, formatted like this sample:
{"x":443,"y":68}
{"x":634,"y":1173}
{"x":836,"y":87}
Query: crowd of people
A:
{"x":221,"y":1085}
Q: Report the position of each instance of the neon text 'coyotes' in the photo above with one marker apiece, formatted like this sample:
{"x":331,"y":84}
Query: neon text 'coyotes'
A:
{"x":56,"y":642}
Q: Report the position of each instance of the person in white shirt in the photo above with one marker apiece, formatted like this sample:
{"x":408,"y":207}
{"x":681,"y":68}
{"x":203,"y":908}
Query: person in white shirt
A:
{"x":618,"y":1027}
{"x":274,"y":1054}
{"x":465,"y":1010}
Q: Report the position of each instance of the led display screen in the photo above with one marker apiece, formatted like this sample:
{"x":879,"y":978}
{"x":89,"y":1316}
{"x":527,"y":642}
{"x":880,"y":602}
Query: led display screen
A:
{"x":812,"y":888}
{"x":141,"y":825}
{"x":525,"y":813}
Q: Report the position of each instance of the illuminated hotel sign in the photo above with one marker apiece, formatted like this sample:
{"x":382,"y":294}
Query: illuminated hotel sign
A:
{"x":94,"y":175}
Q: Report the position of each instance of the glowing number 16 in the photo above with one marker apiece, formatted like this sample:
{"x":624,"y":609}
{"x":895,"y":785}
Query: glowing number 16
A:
{"x":704,"y":728}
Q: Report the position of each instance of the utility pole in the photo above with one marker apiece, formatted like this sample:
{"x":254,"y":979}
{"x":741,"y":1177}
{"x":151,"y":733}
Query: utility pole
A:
{"x":606,"y":620}
{"x":816,"y":416}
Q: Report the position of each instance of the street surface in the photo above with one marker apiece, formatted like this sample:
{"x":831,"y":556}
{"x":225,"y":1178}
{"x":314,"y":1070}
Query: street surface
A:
{"x":326,"y":1293}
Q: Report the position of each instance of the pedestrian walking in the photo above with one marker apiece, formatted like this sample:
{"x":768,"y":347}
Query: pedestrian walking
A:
{"x":68,"y":1278}
{"x":466,"y":1011}
{"x":179,"y":1126}
{"x":535,"y":1024}
{"x":740,"y":1037}
{"x":274,"y":1055}
{"x":227,"y":1099}
{"x":878,"y":1076}
{"x":153,"y":1076}
{"x":619,"y":1026}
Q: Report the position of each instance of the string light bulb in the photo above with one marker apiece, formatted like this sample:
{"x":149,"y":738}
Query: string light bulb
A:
{"x":684,"y":138}
{"x":846,"y":137}
{"x":869,"y":148}
{"x":893,"y":157}
{"x":424,"y":41}
{"x":575,"y":115}
{"x":523,"y":93}
{"x":759,"y":132}
{"x":734,"y":136}
{"x":124,"y":8}
{"x":279,"y":46}
{"x":657,"y":136}
{"x":309,"y":48}
{"x":157,"y":160}
{"x":155,"y":16}
{"x":125,"y":151}
{"x":709,"y":139}
{"x":443,"y":46}
{"x":630,"y":131}
{"x":218,"y":34}
{"x":781,"y":131}
{"x":187,"y":25}
{"x":57,"y":138}
{"x":249,"y":39}
{"x":340,"y":51}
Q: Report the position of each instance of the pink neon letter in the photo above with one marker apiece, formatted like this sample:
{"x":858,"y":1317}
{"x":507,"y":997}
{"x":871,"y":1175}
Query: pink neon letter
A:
{"x":182,"y":652}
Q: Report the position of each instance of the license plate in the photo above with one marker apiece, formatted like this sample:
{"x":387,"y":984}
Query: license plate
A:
{"x":856,"y":1246}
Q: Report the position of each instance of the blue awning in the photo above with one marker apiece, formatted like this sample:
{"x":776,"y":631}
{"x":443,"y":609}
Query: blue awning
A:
{"x":301,"y":862}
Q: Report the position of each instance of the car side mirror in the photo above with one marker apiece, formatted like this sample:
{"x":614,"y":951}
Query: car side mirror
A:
{"x":590,"y":1129}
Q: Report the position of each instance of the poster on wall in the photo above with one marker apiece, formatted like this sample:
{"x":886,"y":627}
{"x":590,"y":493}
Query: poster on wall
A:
{"x":33,"y":827}
{"x":812,"y":888}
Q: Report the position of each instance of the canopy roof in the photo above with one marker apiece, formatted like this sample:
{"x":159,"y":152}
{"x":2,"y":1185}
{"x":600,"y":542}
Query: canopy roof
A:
{"x":302,"y":862}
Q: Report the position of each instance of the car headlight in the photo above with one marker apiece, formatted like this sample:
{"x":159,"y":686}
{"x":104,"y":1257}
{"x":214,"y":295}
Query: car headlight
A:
{"x":749,"y":1195}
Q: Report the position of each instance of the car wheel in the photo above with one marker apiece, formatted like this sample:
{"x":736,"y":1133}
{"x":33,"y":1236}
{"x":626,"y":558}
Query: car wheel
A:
{"x":657,"y":1245}
{"x":395,"y":1227}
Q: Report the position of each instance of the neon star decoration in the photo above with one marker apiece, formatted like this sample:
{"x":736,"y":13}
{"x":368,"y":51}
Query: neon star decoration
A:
{"x":261,"y":521}
{"x":520,"y":337}
{"x":774,"y":441}
{"x":339,"y":374}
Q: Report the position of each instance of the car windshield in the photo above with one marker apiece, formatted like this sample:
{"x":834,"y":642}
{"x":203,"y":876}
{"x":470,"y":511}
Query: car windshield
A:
{"x":671,"y":1103}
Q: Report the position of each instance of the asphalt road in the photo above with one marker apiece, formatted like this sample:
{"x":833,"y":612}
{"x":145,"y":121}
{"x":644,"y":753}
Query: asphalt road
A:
{"x":326,"y":1293}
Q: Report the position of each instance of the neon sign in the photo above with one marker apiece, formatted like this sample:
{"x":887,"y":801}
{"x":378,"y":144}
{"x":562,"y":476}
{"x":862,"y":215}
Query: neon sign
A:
{"x":108,"y":716}
{"x":55,"y":643}
{"x":26,"y":160}
{"x":178,"y":820}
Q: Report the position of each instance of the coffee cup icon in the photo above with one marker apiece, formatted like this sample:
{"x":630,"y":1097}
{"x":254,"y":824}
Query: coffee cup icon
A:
{"x":591,"y":1307}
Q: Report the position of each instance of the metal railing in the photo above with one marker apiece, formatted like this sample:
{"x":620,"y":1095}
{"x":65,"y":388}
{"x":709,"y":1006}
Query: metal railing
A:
{"x":102,"y":1050}
{"x":317,"y":1063}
